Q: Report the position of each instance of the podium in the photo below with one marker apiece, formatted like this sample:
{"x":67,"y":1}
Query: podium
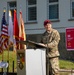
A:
{"x":32,"y":44}
{"x":35,"y":58}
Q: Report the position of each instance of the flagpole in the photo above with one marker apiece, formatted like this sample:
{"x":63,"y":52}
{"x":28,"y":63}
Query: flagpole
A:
{"x":2,"y":52}
{"x":4,"y":10}
{"x":2,"y":55}
{"x":8,"y":50}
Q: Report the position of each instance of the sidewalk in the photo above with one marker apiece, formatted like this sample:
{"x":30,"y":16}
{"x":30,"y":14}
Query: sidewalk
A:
{"x":67,"y":70}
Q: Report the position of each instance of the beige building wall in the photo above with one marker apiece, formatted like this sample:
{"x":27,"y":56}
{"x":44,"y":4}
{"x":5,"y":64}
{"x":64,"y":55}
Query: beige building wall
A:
{"x":35,"y":29}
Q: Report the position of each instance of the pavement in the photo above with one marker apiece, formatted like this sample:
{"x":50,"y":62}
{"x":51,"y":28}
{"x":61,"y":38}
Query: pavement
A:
{"x":67,"y":70}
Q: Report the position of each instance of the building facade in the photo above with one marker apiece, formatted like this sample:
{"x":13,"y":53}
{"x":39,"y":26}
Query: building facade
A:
{"x":60,"y":12}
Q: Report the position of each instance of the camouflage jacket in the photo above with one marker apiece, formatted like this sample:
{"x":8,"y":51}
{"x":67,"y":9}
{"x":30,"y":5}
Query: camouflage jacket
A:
{"x":51,"y":40}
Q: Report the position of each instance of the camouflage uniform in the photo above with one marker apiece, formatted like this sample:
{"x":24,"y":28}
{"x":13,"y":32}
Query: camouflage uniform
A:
{"x":51,"y":40}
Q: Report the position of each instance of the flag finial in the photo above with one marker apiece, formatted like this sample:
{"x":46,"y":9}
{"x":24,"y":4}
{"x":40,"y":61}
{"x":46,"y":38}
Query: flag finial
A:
{"x":4,"y":9}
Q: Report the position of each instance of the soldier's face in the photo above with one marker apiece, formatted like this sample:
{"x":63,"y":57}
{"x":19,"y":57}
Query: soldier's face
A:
{"x":48,"y":27}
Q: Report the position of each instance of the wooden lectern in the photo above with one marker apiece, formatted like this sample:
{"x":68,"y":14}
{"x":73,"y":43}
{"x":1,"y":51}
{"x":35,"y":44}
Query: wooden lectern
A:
{"x":32,"y":44}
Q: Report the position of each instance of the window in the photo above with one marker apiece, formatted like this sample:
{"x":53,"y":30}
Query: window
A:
{"x":72,"y":9}
{"x":31,"y":10}
{"x":12,"y":6}
{"x":53,"y":9}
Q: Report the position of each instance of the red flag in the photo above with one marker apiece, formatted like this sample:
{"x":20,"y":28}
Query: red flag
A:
{"x":16,"y":30}
{"x":22,"y":34}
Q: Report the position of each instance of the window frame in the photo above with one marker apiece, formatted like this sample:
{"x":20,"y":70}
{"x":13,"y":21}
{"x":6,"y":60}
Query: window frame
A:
{"x":28,"y":6}
{"x":72,"y":17}
{"x":53,"y":3}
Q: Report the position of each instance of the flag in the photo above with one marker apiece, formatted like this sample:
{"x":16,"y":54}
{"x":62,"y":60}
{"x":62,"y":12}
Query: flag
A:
{"x":16,"y":30}
{"x":21,"y":53}
{"x":4,"y":33}
{"x":10,"y":29}
{"x":22,"y":34}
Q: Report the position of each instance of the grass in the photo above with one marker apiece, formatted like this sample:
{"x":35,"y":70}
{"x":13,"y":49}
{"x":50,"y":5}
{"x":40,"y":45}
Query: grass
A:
{"x":64,"y":64}
{"x":11,"y":56}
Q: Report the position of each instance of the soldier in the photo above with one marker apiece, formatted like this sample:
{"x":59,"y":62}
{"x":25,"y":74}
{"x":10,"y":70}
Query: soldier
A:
{"x":50,"y":39}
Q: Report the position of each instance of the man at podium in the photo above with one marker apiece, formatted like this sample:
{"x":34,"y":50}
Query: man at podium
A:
{"x":50,"y":40}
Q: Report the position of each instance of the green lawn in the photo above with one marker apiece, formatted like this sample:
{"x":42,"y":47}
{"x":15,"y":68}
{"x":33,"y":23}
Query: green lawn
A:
{"x":64,"y":64}
{"x":12,"y":57}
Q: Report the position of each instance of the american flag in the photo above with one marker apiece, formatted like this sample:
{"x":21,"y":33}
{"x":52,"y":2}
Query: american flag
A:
{"x":4,"y":34}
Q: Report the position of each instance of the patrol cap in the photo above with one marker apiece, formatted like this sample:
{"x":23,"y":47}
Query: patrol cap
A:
{"x":47,"y":21}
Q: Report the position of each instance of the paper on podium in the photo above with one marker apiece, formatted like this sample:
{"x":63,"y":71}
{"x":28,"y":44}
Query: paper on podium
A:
{"x":32,"y":44}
